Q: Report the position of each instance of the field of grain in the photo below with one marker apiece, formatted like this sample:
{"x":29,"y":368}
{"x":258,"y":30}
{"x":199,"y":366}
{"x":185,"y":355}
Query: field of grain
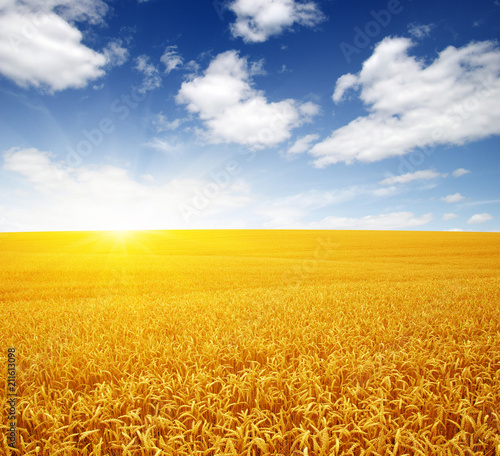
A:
{"x":252,"y":342}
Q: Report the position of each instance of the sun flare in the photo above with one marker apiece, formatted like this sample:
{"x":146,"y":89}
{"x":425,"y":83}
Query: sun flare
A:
{"x":121,"y":235}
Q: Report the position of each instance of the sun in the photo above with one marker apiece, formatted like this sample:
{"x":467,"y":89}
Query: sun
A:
{"x":120,"y":238}
{"x":121,"y":235}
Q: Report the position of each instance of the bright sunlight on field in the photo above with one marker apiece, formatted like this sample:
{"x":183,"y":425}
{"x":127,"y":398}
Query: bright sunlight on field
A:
{"x":252,"y":342}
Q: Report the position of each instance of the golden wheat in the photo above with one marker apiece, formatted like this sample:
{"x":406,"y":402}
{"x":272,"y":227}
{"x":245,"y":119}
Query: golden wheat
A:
{"x":253,"y":343}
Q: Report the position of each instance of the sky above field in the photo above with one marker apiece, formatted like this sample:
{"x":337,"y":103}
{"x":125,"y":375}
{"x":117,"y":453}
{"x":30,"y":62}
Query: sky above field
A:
{"x":327,"y":114}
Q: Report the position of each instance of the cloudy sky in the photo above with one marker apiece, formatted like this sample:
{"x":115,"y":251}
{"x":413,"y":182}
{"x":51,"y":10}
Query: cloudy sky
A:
{"x":325,"y":114}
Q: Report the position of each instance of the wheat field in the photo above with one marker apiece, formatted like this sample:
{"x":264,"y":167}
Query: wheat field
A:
{"x":252,"y":342}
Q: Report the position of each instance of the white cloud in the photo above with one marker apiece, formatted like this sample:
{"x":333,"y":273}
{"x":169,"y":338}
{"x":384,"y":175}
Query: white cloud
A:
{"x":409,"y":177}
{"x":55,"y":59}
{"x":460,"y":172}
{"x":420,"y":31}
{"x":315,"y":199}
{"x":192,"y":66}
{"x":389,"y":221}
{"x":115,"y":53}
{"x":165,"y":146}
{"x":257,"y":68}
{"x":455,"y":198}
{"x":344,"y":83}
{"x":36,"y":166}
{"x":449,"y":216}
{"x":301,"y":145}
{"x":106,"y":197}
{"x":482,"y":202}
{"x":147,"y":177}
{"x":171,"y":59}
{"x":386,"y":191}
{"x":92,"y":11}
{"x":257,"y":20}
{"x":479,"y":218}
{"x":40,"y":45}
{"x":292,"y":211}
{"x":162,"y":123}
{"x":309,"y":110}
{"x":152,"y":78}
{"x":233,"y":111}
{"x":453,"y":100}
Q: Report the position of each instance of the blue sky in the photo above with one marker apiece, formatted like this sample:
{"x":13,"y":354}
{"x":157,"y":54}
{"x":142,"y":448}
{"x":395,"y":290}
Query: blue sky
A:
{"x":322,"y":114}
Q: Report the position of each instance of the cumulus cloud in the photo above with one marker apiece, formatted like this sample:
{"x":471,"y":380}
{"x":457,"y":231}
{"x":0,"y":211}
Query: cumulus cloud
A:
{"x":41,"y":46}
{"x":234,"y":111}
{"x":257,"y":20}
{"x":107,"y":197}
{"x":152,"y":78}
{"x":409,"y":177}
{"x":460,"y":172}
{"x":36,"y":166}
{"x":449,"y":216}
{"x":455,"y":198}
{"x":453,"y":100}
{"x":171,"y":59}
{"x":479,"y":218}
{"x":302,"y":145}
{"x":344,"y":83}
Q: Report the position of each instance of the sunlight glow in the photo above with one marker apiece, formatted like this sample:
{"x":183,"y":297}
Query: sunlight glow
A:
{"x":121,"y":235}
